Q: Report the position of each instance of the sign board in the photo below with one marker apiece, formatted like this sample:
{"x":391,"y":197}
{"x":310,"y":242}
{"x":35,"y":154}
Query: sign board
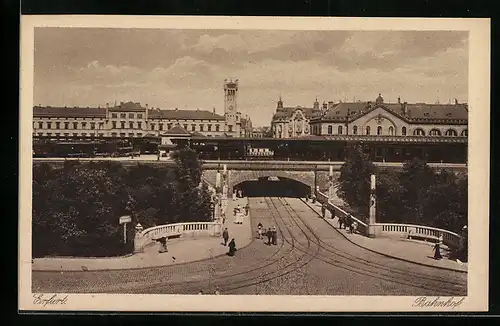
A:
{"x":125,"y":219}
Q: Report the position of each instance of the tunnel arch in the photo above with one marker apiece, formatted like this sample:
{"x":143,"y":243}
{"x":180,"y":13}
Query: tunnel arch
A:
{"x":274,"y":187}
{"x":238,"y":177}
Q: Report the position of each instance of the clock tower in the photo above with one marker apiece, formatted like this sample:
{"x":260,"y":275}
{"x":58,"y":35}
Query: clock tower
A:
{"x":233,"y":117}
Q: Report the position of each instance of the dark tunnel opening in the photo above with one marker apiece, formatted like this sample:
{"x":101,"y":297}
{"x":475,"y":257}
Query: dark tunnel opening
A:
{"x":274,"y":187}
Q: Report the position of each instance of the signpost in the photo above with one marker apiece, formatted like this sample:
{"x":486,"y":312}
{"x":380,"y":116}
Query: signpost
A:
{"x":124,"y":220}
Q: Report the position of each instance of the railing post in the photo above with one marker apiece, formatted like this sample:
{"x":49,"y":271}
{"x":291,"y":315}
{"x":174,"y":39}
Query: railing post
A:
{"x":372,"y":219}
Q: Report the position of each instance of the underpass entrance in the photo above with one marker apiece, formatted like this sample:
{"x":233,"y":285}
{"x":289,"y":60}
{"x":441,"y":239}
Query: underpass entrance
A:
{"x":274,"y":187}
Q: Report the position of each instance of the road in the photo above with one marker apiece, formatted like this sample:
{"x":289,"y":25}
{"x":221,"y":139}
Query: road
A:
{"x":311,"y":258}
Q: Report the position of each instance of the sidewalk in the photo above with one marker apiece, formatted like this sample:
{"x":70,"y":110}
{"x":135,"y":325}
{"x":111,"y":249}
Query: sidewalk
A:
{"x":413,"y":251}
{"x":185,"y":250}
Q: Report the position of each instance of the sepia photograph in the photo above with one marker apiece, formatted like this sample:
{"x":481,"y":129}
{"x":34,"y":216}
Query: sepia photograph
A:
{"x":270,"y":166}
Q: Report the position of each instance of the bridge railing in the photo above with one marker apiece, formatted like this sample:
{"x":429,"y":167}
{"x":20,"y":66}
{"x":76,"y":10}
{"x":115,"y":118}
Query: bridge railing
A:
{"x":449,"y":238}
{"x":340,"y":213}
{"x":191,"y":229}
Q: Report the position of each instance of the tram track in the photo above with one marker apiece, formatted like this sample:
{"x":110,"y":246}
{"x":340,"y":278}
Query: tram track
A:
{"x":352,"y":263}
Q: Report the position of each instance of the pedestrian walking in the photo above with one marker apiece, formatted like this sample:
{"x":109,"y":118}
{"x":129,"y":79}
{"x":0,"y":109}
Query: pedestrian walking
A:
{"x":223,"y":217}
{"x":232,"y":247}
{"x":341,"y":221}
{"x":217,"y":292}
{"x":259,"y":230}
{"x":354,"y":227}
{"x":437,"y":251}
{"x":247,"y":208}
{"x":225,"y":236}
{"x":275,"y":236}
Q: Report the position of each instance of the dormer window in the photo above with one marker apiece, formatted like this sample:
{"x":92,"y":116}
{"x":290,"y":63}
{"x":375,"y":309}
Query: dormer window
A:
{"x":337,"y":112}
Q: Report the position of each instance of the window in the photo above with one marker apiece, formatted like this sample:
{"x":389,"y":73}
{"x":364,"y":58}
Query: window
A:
{"x":193,"y":127}
{"x":391,"y":130}
{"x":139,"y":115}
{"x":58,"y":134}
{"x":101,"y":125}
{"x":355,"y":130}
{"x":131,"y":134}
{"x":66,"y":125}
{"x":66,"y":134}
{"x":139,"y":134}
{"x":185,"y":126}
{"x":152,"y":126}
{"x":169,"y":126}
{"x":379,"y":130}
{"x":160,"y":126}
{"x":123,"y":115}
{"x":40,"y":134}
{"x":340,"y":130}
{"x":130,"y":115}
{"x":114,"y":115}
{"x":84,"y":125}
{"x":49,"y":134}
{"x":113,"y":134}
{"x":330,"y":130}
{"x":58,"y":125}
{"x":230,"y":128}
{"x":217,"y":128}
{"x":75,"y":134}
{"x":40,"y":125}
{"x":75,"y":125}
{"x":49,"y":125}
{"x":367,"y":130}
{"x":139,"y":125}
{"x":92,"y":125}
{"x":209,"y":127}
{"x":84,"y":134}
{"x":451,"y":132}
{"x":114,"y":124}
{"x":131,"y":125}
{"x":403,"y":131}
{"x":122,"y":124}
{"x":201,"y":127}
{"x":464,"y":133}
{"x":435,"y":132}
{"x":419,"y":132}
{"x":122,"y":134}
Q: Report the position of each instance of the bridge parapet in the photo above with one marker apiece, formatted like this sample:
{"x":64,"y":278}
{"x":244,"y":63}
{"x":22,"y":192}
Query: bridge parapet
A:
{"x":193,"y":229}
{"x":409,"y":231}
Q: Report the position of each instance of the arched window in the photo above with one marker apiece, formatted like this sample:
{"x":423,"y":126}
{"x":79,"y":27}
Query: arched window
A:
{"x":419,"y":132}
{"x":379,"y":130}
{"x":391,"y":130}
{"x":340,"y":130}
{"x":435,"y":132}
{"x":330,"y":130}
{"x":355,"y":130}
{"x":465,"y":133}
{"x":367,"y":130}
{"x":403,"y":131}
{"x":451,"y":132}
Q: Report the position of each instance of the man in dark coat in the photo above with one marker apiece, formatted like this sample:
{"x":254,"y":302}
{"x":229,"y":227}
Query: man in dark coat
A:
{"x":274,"y":236}
{"x":269,"y":236}
{"x":225,"y":236}
{"x":232,"y":247}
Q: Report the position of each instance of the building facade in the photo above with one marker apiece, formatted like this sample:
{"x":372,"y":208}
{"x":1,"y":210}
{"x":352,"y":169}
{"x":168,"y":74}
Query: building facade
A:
{"x":132,"y":120}
{"x":377,"y":118}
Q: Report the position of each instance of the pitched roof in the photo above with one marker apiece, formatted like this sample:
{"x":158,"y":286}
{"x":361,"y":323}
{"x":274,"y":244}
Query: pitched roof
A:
{"x":287,"y":112}
{"x":177,"y":114}
{"x":65,"y":112}
{"x":128,"y":107}
{"x":176,"y":131}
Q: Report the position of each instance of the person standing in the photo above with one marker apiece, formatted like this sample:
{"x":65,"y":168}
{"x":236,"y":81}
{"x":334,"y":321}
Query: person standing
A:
{"x":225,"y":236}
{"x":269,"y":235}
{"x":217,"y":292}
{"x":232,"y":247}
{"x":275,"y":236}
{"x":341,"y":221}
{"x":259,"y":230}
{"x":437,"y":251}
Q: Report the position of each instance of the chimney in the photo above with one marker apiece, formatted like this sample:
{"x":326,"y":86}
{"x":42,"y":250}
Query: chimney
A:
{"x":405,"y":108}
{"x":399,"y":100}
{"x":213,"y":111}
{"x":325,"y":106}
{"x":456,"y":101}
{"x":330,"y":104}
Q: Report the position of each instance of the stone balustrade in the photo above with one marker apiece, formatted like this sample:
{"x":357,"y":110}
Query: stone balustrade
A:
{"x":193,"y":229}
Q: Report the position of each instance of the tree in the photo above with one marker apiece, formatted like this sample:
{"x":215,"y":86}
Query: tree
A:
{"x":354,"y":179}
{"x":389,"y":194}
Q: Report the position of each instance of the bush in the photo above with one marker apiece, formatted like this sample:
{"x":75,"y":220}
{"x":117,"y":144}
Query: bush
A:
{"x":76,"y":208}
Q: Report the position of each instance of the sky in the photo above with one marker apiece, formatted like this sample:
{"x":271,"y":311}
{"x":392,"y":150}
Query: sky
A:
{"x":186,"y":69}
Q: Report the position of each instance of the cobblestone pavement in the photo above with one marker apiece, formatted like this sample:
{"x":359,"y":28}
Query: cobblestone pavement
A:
{"x":309,"y":258}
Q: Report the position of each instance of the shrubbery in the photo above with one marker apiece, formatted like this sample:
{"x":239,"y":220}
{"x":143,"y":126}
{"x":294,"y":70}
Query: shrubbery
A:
{"x":76,"y":208}
{"x":416,"y":195}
